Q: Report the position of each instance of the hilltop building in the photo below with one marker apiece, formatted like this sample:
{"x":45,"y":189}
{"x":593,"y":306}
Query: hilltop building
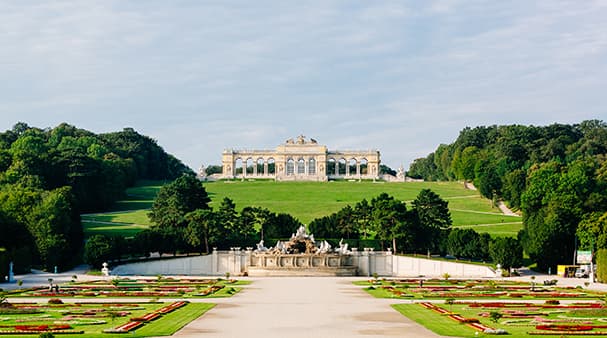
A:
{"x":301,"y":159}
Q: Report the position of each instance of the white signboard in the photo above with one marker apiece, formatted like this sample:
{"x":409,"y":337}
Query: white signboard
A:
{"x":584,"y":257}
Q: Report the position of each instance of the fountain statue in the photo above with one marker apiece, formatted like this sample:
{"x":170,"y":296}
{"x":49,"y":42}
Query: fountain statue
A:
{"x":302,"y":255}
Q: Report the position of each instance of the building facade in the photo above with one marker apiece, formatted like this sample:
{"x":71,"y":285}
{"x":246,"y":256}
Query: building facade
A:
{"x":301,"y":159}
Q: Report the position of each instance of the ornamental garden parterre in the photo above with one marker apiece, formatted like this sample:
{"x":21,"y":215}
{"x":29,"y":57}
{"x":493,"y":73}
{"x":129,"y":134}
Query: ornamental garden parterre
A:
{"x":467,"y":308}
{"x":100,"y":308}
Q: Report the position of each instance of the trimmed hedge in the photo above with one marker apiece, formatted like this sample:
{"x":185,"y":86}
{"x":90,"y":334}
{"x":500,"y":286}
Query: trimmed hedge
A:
{"x":601,"y":265}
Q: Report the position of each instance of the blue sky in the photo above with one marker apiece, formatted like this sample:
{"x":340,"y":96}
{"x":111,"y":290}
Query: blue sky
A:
{"x":398,"y":76}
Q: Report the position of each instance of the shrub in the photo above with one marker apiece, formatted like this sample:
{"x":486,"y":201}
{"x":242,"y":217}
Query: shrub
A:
{"x":46,"y":335}
{"x":553,"y":302}
{"x":55,"y":301}
{"x":601,"y":265}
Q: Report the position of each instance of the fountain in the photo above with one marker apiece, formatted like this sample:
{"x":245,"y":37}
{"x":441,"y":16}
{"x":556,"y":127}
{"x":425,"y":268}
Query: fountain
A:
{"x":301,"y":256}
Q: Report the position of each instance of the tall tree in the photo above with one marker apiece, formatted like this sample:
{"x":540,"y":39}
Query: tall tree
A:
{"x":201,"y":229}
{"x":389,"y":219}
{"x":433,"y":216}
{"x":506,"y":251}
{"x":176,"y":199}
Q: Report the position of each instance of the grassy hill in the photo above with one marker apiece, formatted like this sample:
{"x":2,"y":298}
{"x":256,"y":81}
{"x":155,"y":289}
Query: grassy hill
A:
{"x":306,"y":201}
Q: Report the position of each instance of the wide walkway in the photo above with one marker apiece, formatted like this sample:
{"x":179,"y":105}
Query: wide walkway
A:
{"x":303,"y":307}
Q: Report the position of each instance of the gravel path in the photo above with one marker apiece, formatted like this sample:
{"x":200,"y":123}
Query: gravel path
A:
{"x":303,"y":307}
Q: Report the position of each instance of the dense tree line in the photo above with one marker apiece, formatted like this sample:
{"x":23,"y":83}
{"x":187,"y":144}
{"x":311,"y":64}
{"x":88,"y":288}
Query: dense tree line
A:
{"x":48,"y":177}
{"x":183,"y":222}
{"x":554,"y":174}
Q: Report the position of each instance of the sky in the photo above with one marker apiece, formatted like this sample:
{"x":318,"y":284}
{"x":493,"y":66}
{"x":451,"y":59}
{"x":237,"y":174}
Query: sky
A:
{"x":398,"y":76}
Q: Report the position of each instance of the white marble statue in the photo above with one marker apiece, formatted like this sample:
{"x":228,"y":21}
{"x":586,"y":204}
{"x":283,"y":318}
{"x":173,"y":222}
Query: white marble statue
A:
{"x":261,"y":247}
{"x":324,"y":247}
{"x":343,"y":247}
{"x":301,"y":232}
{"x":104,"y":270}
{"x":281,"y":247}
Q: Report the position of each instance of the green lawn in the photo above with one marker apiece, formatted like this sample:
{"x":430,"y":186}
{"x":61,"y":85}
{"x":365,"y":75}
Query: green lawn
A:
{"x":306,"y":201}
{"x":509,"y":229}
{"x":441,"y":325}
{"x":172,"y":322}
{"x":115,"y":229}
{"x":166,"y":325}
{"x":516,"y":327}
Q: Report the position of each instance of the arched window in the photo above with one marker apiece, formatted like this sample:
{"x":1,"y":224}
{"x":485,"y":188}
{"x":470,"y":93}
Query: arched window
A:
{"x":271,"y":166}
{"x":342,"y":167}
{"x":250,"y":165}
{"x":331,"y":167}
{"x":290,"y":167}
{"x":259,"y":166}
{"x":352,"y":167}
{"x":364,"y":170}
{"x":312,"y":167}
{"x":238,"y":166}
{"x":301,"y":166}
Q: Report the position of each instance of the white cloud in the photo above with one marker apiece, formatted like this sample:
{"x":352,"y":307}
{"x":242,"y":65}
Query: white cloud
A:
{"x":401,"y":77}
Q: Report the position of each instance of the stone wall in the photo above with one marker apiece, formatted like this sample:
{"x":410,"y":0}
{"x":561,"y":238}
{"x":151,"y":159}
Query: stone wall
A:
{"x":367,"y":262}
{"x":413,"y":266}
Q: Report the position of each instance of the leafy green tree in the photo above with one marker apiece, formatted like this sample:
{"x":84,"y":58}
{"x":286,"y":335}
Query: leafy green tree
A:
{"x":467,"y":243}
{"x":433,"y":217}
{"x":388,"y":218}
{"x":346,"y":223}
{"x":281,"y":225}
{"x":201,"y":229}
{"x":98,"y":249}
{"x":362,"y":215}
{"x":176,"y":199}
{"x":506,"y":251}
{"x":592,"y":231}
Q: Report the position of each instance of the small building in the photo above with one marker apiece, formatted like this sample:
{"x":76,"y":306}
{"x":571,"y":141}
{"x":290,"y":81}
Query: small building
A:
{"x":301,"y":160}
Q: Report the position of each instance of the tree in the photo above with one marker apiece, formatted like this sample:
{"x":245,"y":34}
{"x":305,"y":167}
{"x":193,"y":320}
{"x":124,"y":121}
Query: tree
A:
{"x":346,"y":224}
{"x":362,"y":214}
{"x":388,"y":218}
{"x":506,"y":251}
{"x":281,"y":225}
{"x":176,"y":199}
{"x":201,"y":228}
{"x":467,"y":243}
{"x":592,"y":231}
{"x":97,"y":250}
{"x":433,"y":216}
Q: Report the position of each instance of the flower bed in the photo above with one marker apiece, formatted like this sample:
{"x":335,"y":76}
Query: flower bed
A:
{"x":130,"y":326}
{"x":171,"y":307}
{"x":148,"y":317}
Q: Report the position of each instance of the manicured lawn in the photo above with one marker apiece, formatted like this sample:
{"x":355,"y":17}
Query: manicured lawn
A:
{"x":140,"y":288}
{"x":113,"y":229}
{"x":509,"y":229}
{"x":546,"y":310}
{"x":438,"y":324}
{"x":173,"y":321}
{"x":472,"y":289}
{"x":517,"y":321}
{"x":93,"y":319}
{"x":306,"y":201}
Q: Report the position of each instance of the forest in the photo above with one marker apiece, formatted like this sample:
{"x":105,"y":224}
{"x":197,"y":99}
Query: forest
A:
{"x":556,"y":175}
{"x":48,"y":177}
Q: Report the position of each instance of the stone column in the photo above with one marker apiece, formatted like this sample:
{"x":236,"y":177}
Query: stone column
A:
{"x":357,"y":168}
{"x":244,"y":168}
{"x":255,"y":168}
{"x":265,"y":168}
{"x":214,"y":259}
